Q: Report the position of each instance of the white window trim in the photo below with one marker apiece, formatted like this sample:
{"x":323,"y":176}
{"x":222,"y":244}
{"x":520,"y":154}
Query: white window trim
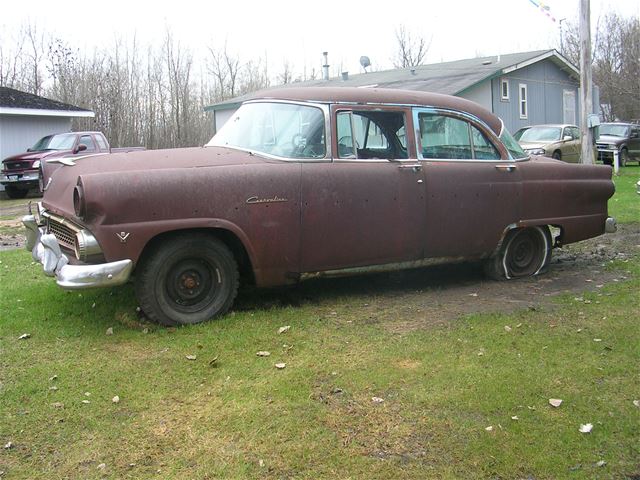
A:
{"x":503,"y":97}
{"x":523,"y":101}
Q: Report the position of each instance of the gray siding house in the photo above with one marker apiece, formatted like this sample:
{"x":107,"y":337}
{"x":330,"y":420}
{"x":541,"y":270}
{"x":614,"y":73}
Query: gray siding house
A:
{"x":521,"y":88}
{"x":25,"y":118}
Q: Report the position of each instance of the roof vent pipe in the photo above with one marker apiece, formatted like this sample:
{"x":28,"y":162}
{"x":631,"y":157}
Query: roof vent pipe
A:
{"x":325,"y":67}
{"x":345,"y":76}
{"x":413,"y":71}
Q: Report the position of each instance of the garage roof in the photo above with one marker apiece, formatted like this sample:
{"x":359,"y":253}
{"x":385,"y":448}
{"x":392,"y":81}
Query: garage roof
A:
{"x":16,"y":102}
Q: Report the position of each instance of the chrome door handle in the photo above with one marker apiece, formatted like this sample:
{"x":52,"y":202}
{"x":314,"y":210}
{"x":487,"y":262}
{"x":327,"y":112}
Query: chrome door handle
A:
{"x":416,"y":167}
{"x":506,"y":168}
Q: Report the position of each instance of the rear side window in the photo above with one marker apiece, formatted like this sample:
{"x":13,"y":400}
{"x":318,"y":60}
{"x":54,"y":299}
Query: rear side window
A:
{"x":447,"y":138}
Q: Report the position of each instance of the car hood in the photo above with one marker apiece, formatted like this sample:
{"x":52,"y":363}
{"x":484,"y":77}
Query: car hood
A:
{"x":31,"y":156}
{"x":610,"y":139}
{"x":129,"y":167}
{"x":532,"y":145}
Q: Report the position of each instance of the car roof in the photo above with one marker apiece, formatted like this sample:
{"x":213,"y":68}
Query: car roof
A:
{"x":563,"y":125}
{"x":380,"y":96}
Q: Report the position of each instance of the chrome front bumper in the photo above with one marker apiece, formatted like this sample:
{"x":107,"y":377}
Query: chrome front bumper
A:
{"x":45,"y":249}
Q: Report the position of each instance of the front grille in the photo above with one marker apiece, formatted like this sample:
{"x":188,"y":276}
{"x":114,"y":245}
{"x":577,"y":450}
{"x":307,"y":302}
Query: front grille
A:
{"x":65,"y":235}
{"x":17,"y":165}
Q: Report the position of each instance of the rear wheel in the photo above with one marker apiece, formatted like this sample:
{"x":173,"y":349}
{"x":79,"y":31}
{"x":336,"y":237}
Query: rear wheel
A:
{"x":187,"y":279}
{"x":15,"y":192}
{"x":524,"y":252}
{"x":557,"y":155}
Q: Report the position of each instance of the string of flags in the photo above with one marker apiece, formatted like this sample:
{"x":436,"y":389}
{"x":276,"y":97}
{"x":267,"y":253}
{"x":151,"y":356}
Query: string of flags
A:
{"x":544,"y":8}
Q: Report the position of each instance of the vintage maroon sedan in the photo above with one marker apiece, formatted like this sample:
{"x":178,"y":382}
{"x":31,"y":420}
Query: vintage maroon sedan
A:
{"x":307,"y":182}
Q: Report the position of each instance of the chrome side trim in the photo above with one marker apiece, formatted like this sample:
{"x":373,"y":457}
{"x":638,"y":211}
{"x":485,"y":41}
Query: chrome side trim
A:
{"x":387,"y":267}
{"x":46,"y":250}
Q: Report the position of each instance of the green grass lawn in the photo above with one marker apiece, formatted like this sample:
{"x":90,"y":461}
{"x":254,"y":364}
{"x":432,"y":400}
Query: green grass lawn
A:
{"x":442,"y":387}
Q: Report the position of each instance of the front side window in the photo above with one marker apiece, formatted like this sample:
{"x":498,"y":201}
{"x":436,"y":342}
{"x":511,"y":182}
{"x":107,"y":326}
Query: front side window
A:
{"x":86,"y":140}
{"x":280,"y":129}
{"x":446,"y":137}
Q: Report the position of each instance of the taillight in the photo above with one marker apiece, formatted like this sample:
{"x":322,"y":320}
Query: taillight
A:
{"x":79,"y":204}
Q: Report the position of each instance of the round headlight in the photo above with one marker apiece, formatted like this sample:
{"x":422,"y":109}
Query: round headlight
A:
{"x":79,"y":204}
{"x":36,"y":164}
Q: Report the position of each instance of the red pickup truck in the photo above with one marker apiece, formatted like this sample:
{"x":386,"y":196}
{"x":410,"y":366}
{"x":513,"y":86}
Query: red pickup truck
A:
{"x":22,"y":173}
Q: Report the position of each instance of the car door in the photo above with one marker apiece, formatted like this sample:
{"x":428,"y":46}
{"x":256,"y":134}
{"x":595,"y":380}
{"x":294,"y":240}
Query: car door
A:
{"x":634,"y":142}
{"x":367,"y":206}
{"x":571,"y":149}
{"x":473,"y":191}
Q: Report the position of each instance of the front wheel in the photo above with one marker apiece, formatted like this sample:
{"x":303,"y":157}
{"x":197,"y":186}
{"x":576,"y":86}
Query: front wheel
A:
{"x":524,"y":252}
{"x":624,"y":157}
{"x":186,"y":279}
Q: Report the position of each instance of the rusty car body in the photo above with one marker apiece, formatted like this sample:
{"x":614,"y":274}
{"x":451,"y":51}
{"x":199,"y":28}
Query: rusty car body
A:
{"x":306,"y":182}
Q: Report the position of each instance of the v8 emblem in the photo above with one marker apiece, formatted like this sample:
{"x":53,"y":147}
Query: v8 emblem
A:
{"x":123,"y":236}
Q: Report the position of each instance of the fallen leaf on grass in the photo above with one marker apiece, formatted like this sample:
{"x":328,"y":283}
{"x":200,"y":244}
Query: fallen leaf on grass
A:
{"x":57,"y":405}
{"x":515,"y":417}
{"x":507,"y":328}
{"x":54,"y":388}
{"x":489,"y":428}
{"x":109,"y":331}
{"x":24,"y":336}
{"x":597,"y":339}
{"x":190,"y":357}
{"x":636,"y":403}
{"x":280,"y":366}
{"x":213,"y":361}
{"x":601,"y":463}
{"x":473,"y":294}
{"x":8,"y":445}
{"x":102,"y":466}
{"x":284,"y":329}
{"x":116,"y":399}
{"x":263,"y":353}
{"x":586,"y":428}
{"x":55,"y":377}
{"x":86,"y":402}
{"x":555,"y":402}
{"x":377,"y":400}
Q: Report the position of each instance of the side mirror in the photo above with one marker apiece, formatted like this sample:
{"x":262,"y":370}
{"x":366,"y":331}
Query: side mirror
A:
{"x":81,"y":147}
{"x":635,"y":134}
{"x":29,"y":149}
{"x":566,"y":138}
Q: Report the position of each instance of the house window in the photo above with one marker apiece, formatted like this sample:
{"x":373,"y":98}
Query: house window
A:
{"x":524,"y":111}
{"x":504,"y":90}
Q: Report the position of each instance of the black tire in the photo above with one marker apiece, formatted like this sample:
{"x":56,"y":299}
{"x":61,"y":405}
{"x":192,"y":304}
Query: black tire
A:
{"x":557,"y":155}
{"x":524,"y":252}
{"x":186,"y":279}
{"x":13,"y":192}
{"x":624,"y":157}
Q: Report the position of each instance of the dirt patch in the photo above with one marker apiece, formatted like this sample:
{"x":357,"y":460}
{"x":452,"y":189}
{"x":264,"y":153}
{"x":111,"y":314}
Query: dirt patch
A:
{"x":424,"y":297}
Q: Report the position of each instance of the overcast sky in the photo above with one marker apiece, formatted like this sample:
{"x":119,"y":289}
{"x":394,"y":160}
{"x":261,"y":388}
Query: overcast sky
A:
{"x":300,"y":31}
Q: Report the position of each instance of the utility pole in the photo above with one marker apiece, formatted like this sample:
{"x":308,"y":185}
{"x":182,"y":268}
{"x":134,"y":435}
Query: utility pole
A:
{"x":585,"y":82}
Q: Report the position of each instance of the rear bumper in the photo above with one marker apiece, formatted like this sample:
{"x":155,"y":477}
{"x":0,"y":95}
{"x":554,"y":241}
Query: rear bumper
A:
{"x":45,"y":249}
{"x":611,"y":226}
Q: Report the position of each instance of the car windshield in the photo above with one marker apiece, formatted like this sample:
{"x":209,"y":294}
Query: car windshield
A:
{"x":63,"y":141}
{"x":511,"y":145}
{"x":280,"y":129}
{"x":613,"y":129}
{"x":541,"y":134}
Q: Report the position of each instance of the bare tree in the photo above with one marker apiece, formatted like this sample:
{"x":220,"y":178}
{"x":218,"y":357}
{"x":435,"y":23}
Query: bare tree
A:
{"x":616,"y":64}
{"x":411,"y":50}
